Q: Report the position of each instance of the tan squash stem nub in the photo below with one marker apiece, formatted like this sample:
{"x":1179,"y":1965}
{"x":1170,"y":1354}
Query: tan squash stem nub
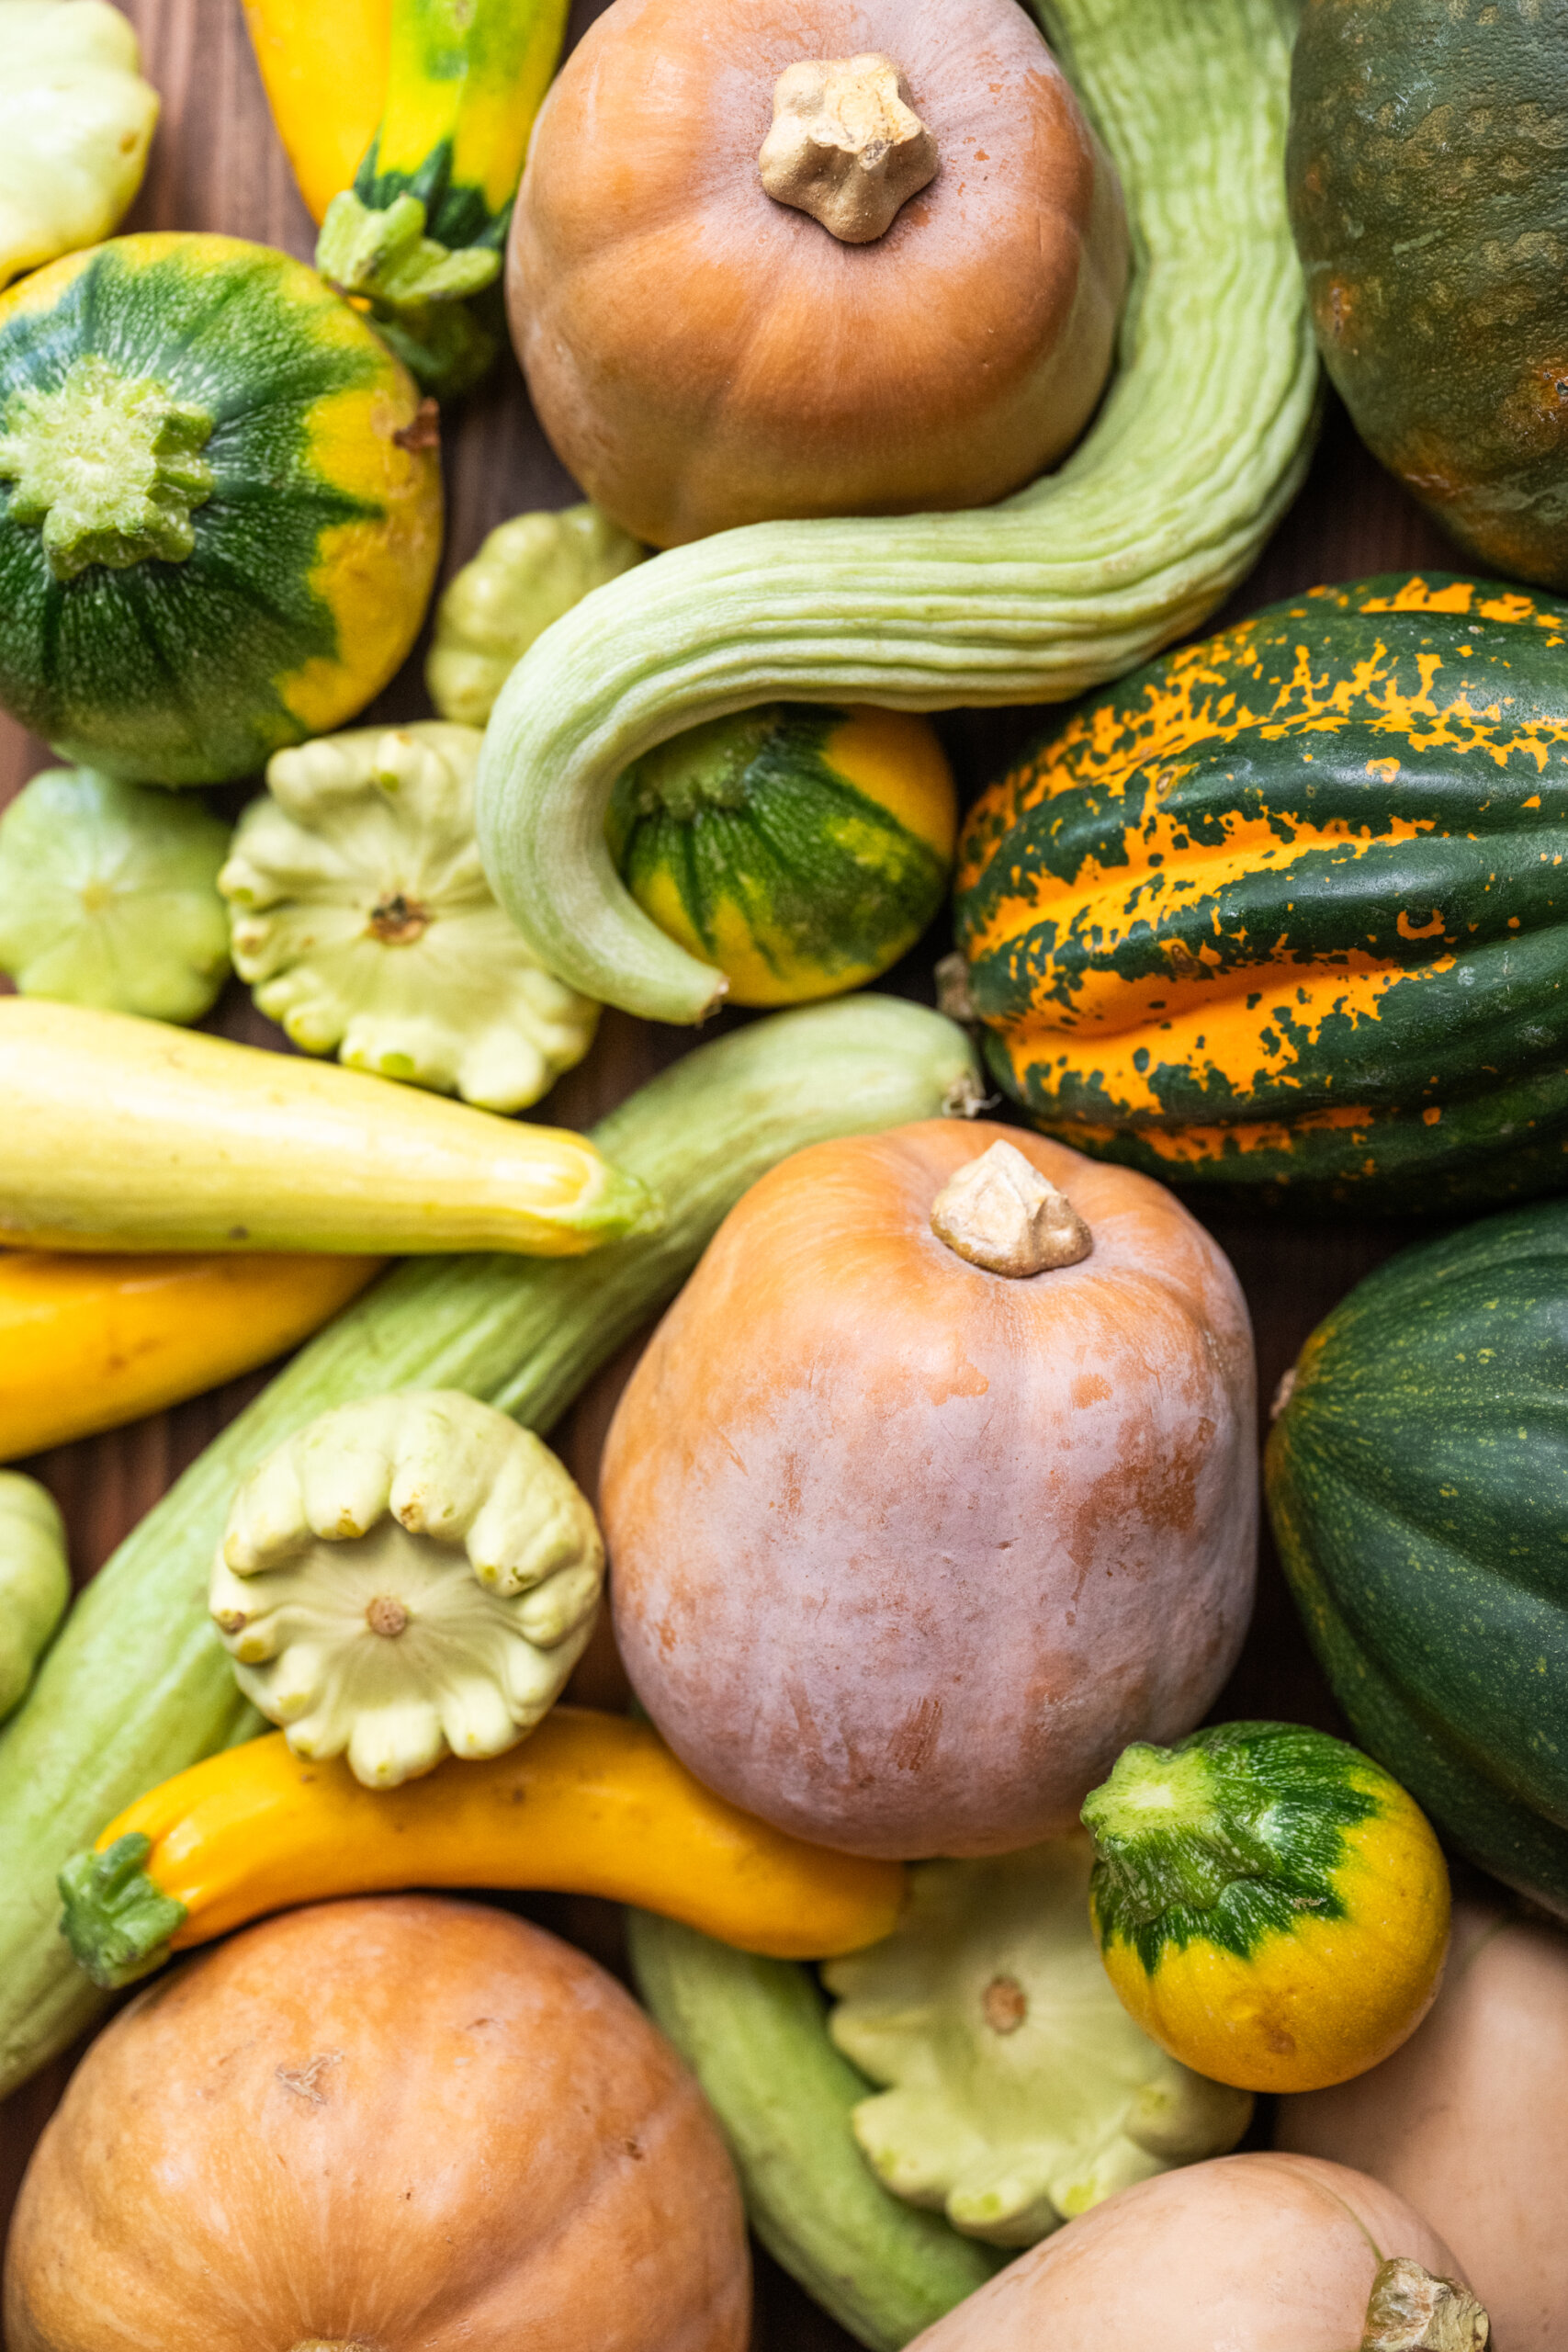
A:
{"x":999,"y":1212}
{"x":1412,"y":2312}
{"x":846,"y":145}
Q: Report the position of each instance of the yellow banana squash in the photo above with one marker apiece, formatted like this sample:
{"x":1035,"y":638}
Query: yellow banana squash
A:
{"x":123,"y":1133}
{"x":591,"y":1805}
{"x":323,"y":67}
{"x":88,"y":1342}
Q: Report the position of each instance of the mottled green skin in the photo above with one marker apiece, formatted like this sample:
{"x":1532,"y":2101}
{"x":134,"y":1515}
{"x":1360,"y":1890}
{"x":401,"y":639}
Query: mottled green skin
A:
{"x":1457,"y":1052}
{"x":1266,"y":1850}
{"x":753,"y":826}
{"x":1428,"y":171}
{"x":168,"y":672}
{"x":1416,"y":1481}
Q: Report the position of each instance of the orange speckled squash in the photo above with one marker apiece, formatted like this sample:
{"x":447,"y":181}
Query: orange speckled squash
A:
{"x":393,"y":2125}
{"x":905,"y":1551}
{"x":702,"y":355}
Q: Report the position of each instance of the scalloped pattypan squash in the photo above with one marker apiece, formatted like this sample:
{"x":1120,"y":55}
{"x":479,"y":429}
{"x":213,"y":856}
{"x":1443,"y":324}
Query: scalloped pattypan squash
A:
{"x":109,"y":896}
{"x":361,"y":916}
{"x":407,"y":1576}
{"x":1019,"y":2095}
{"x":528,"y":572}
{"x":76,"y":121}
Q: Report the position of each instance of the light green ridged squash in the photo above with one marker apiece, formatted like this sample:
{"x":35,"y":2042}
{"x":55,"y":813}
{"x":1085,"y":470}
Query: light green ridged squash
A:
{"x":1198,"y":450}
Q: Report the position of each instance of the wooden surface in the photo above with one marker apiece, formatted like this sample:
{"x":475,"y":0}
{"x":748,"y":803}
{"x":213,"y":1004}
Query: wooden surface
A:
{"x":217,"y":164}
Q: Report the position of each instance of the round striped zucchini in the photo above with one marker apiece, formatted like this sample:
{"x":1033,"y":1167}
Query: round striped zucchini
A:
{"x":799,"y":849}
{"x":219,"y":507}
{"x":1286,"y":910}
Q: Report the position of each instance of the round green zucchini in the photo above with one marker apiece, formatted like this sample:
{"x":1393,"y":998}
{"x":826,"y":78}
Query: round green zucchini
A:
{"x":1198,"y":448}
{"x":1430,"y":210}
{"x":219,"y":507}
{"x":1414,"y":1479}
{"x":1286,"y":910}
{"x":799,"y":849}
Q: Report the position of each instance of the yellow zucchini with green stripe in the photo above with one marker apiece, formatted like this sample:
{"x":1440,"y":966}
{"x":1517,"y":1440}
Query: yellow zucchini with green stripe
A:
{"x":800,"y":850}
{"x":1270,"y":1905}
{"x":420,"y":233}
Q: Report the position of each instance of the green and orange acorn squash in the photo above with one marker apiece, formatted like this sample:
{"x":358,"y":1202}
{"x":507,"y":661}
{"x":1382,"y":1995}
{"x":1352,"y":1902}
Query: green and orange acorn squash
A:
{"x":1286,"y":910}
{"x":219,"y":507}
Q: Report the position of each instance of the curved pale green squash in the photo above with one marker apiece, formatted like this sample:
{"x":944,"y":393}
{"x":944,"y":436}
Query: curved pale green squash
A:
{"x":1199,"y":449}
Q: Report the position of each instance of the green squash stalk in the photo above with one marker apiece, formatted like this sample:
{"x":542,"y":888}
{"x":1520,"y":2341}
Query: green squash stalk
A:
{"x":1199,"y":448}
{"x":138,"y":1685}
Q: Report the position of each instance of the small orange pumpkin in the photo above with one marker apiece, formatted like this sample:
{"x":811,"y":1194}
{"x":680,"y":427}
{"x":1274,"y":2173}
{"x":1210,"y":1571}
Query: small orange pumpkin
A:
{"x":703,"y":353}
{"x":391,"y":2125}
{"x":905,"y":1550}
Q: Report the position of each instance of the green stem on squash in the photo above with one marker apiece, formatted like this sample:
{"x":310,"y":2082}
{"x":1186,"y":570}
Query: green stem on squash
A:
{"x":117,"y":1922}
{"x":108,"y":467}
{"x":1199,"y":445}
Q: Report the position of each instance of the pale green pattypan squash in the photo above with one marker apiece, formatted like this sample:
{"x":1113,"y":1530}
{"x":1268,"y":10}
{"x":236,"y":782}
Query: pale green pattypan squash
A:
{"x":76,"y":121}
{"x":1022,"y":2093}
{"x":109,"y":896}
{"x":407,"y":1576}
{"x":361,"y":916}
{"x":35,"y":1583}
{"x":528,"y":572}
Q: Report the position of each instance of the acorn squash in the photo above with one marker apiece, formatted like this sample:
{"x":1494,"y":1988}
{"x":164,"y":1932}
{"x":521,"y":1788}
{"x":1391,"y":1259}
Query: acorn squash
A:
{"x":800,"y":850}
{"x":1430,"y":210}
{"x":1285,"y":909}
{"x":1413,"y":1477}
{"x":219,"y":507}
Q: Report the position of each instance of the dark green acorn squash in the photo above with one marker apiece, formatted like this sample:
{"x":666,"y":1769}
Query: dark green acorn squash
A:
{"x":1289,"y":908}
{"x":219,"y":507}
{"x":1416,"y":1478}
{"x":1429,"y":201}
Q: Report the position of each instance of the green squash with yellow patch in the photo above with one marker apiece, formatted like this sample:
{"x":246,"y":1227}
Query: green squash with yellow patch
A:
{"x":801,"y":849}
{"x":219,"y":507}
{"x":1288,"y":909}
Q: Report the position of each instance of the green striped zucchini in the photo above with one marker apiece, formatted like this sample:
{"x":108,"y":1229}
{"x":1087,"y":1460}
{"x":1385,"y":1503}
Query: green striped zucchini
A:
{"x":1198,"y":448}
{"x":138,"y":1685}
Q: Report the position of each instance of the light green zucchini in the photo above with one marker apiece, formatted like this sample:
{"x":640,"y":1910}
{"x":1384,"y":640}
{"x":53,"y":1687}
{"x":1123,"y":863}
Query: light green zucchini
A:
{"x":35,"y":1582}
{"x":138,"y":1686}
{"x":1198,"y":450}
{"x":753,"y":2033}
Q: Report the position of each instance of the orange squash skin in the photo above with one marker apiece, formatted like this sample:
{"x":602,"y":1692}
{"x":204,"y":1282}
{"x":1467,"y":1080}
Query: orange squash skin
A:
{"x":405,"y":2124}
{"x":702,"y":356}
{"x":903,"y":1553}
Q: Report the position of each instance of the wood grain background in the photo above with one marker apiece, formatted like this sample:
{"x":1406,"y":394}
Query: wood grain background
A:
{"x":217,"y":164}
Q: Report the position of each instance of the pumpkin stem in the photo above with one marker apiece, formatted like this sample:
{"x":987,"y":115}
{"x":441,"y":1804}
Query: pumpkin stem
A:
{"x":999,"y":1212}
{"x":846,"y":145}
{"x":110,"y":466}
{"x":1412,"y":2312}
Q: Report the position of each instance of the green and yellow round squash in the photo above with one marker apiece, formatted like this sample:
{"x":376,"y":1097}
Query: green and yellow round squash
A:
{"x":1415,"y":1477}
{"x":1289,"y":908}
{"x":1270,"y":1905}
{"x":1430,"y":210}
{"x":219,"y":507}
{"x":801,"y":849}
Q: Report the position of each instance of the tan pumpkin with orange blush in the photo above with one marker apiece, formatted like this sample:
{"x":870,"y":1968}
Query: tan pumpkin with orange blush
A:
{"x":906,"y":1550}
{"x":853,"y":257}
{"x":399,"y":2124}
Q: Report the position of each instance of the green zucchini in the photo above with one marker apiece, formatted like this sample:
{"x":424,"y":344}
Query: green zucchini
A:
{"x":753,"y":2032}
{"x":138,"y":1685}
{"x":1199,"y":445}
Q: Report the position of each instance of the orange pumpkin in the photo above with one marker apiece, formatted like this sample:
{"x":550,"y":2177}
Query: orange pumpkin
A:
{"x":905,"y":1550}
{"x":392,"y":2125}
{"x":702,"y":353}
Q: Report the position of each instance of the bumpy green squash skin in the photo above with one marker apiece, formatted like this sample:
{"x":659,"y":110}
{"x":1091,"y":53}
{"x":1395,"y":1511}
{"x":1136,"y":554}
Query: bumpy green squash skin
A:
{"x":292,"y":538}
{"x":1430,"y":210}
{"x":1286,"y":910}
{"x":1413,"y":1480}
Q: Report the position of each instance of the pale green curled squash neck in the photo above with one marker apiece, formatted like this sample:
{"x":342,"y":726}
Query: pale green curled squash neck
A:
{"x":1199,"y":448}
{"x":107,"y":466}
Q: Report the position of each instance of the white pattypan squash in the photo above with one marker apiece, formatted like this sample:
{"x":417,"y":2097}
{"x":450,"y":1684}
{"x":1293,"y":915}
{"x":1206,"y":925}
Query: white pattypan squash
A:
{"x":407,"y":1576}
{"x":361,"y":917}
{"x":76,"y":121}
{"x":528,"y":572}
